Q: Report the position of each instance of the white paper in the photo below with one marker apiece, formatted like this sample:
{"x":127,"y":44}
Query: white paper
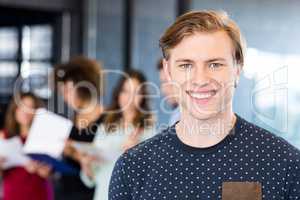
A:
{"x":12,"y":151}
{"x":48,"y":134}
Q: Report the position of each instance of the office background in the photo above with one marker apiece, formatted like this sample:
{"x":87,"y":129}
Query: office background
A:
{"x":123,"y":34}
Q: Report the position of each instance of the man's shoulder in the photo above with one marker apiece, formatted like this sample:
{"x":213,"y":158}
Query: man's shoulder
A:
{"x":148,"y":147}
{"x":266,"y":141}
{"x":152,"y":143}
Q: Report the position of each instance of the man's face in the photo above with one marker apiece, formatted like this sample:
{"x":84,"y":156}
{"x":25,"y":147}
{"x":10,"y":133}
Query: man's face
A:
{"x":203,"y":68}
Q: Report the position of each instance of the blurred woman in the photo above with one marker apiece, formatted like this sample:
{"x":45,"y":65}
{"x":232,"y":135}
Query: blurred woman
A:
{"x":128,"y":121}
{"x":29,"y":182}
{"x":79,"y":82}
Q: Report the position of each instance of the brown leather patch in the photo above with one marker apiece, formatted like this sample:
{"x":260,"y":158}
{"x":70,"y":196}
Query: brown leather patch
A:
{"x":241,"y":191}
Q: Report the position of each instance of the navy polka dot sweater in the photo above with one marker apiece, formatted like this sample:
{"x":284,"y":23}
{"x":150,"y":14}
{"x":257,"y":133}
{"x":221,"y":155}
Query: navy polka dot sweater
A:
{"x":165,"y":168}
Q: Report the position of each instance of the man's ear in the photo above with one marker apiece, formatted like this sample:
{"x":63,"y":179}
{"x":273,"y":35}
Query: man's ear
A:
{"x":166,"y":69}
{"x":238,"y":72}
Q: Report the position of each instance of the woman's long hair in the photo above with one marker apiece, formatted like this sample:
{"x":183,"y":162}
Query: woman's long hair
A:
{"x":11,"y":125}
{"x":143,"y":115}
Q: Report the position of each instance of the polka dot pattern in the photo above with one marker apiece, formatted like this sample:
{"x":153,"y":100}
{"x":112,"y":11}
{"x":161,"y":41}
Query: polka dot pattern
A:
{"x":165,"y":168}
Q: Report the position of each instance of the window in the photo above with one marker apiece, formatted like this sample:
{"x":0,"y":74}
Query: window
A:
{"x":36,"y":58}
{"x":8,"y":59}
{"x":26,"y":55}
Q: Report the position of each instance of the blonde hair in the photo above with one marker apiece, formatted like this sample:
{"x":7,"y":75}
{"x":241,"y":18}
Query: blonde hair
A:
{"x":203,"y":21}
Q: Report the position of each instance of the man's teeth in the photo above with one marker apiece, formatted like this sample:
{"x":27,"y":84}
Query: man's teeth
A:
{"x":201,"y":95}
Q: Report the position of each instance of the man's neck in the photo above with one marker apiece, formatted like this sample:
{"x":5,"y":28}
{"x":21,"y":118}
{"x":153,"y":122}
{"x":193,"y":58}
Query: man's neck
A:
{"x":204,"y":133}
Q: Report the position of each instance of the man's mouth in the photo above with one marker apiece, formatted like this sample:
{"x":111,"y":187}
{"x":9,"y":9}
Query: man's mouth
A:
{"x":201,"y":97}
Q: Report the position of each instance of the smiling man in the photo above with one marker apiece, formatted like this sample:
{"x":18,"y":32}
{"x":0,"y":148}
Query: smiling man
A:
{"x":211,"y":153}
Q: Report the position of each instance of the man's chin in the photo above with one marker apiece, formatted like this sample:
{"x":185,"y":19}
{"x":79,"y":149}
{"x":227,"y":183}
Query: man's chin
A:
{"x":204,"y":114}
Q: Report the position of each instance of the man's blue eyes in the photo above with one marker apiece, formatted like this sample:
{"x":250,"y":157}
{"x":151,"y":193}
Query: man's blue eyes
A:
{"x":215,"y":65}
{"x":211,"y":66}
{"x":185,"y":66}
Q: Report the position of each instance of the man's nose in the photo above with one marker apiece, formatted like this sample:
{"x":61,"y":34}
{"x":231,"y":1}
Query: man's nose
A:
{"x":200,"y":75}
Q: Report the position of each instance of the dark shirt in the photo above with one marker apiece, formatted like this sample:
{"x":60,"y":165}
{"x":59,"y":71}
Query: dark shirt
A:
{"x":163,"y":167}
{"x":71,"y":187}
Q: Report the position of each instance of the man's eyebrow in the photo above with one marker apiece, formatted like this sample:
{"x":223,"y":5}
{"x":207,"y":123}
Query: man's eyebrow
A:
{"x":207,"y":61}
{"x":215,"y":59}
{"x":184,"y":60}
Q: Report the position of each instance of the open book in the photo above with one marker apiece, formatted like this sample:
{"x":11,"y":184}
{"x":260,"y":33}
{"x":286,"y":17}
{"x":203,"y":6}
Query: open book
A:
{"x":47,"y":137}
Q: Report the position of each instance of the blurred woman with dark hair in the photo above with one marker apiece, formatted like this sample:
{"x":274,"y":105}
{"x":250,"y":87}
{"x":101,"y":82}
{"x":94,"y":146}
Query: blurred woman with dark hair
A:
{"x":29,"y":182}
{"x":128,"y":121}
{"x":80,"y":83}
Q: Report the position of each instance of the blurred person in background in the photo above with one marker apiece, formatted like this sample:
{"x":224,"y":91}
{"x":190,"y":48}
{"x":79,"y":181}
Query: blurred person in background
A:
{"x":128,"y":121}
{"x":29,"y":182}
{"x":80,"y":83}
{"x":167,"y":89}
